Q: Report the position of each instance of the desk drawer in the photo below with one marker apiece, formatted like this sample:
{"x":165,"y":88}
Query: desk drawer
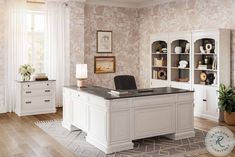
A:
{"x":154,"y":100}
{"x":79,"y":95}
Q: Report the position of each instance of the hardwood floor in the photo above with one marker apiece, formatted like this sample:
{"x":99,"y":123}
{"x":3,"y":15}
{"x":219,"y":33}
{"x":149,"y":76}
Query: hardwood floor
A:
{"x":20,"y":137}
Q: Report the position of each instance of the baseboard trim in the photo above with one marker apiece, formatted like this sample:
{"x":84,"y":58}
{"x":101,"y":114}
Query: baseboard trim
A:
{"x":212,"y":118}
{"x":36,"y":112}
{"x":183,"y":135}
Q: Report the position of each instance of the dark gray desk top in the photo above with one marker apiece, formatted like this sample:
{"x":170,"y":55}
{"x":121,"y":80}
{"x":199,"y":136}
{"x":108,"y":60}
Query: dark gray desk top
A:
{"x":103,"y":92}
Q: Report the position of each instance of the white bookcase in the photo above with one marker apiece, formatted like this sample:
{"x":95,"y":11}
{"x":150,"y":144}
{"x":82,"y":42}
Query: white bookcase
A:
{"x":162,"y":41}
{"x":213,"y":64}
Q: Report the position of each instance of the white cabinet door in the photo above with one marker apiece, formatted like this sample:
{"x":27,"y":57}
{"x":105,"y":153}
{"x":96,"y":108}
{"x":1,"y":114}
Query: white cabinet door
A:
{"x":206,"y":102}
{"x":79,"y":113}
{"x":212,"y":102}
{"x":199,"y":100}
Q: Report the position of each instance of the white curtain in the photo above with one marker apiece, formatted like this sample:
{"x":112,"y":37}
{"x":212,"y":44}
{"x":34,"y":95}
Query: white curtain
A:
{"x":57,"y":46}
{"x":16,"y":48}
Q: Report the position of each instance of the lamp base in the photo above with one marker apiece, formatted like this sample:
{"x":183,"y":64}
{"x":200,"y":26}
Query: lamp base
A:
{"x":80,"y":84}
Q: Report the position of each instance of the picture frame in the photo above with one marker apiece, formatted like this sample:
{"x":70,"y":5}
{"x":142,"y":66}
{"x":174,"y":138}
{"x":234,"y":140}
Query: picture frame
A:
{"x":104,"y":41}
{"x":104,"y":64}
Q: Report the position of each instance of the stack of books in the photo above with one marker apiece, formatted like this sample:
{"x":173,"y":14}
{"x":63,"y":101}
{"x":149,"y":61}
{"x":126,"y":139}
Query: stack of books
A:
{"x":41,"y":77}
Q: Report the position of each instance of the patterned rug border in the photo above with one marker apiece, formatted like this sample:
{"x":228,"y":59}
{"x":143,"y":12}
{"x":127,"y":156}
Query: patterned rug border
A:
{"x":193,"y":153}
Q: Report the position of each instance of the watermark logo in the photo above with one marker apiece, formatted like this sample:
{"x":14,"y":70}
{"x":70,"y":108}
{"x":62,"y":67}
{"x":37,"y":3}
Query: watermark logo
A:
{"x":220,"y":141}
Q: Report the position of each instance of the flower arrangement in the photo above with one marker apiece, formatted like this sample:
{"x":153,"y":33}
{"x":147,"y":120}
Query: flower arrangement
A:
{"x":26,"y":71}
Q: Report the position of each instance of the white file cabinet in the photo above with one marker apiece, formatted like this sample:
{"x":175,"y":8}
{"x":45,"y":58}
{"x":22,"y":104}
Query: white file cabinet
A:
{"x":35,"y":97}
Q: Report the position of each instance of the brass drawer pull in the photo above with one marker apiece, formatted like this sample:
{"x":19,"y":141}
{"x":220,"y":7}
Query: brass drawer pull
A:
{"x":46,"y":100}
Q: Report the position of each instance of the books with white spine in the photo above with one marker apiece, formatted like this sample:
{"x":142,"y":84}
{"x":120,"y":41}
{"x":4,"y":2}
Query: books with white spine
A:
{"x":118,"y":92}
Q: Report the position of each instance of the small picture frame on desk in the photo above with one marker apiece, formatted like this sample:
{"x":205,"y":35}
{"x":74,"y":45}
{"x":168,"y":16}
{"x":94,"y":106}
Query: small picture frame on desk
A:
{"x":104,"y":41}
{"x":104,"y":64}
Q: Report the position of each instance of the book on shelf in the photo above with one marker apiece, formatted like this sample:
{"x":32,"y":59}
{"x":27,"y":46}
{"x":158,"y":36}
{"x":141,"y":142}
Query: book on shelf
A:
{"x":155,"y":74}
{"x":118,"y":92}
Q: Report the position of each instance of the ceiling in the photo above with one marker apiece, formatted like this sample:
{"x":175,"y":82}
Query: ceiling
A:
{"x":127,"y":3}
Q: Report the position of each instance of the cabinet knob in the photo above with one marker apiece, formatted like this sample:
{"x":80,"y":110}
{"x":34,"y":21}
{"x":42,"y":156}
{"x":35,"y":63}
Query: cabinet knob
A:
{"x":28,"y":85}
{"x":204,"y":100}
{"x":78,"y":94}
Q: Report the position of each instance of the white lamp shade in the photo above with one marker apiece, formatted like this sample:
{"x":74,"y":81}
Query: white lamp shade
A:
{"x":81,"y":71}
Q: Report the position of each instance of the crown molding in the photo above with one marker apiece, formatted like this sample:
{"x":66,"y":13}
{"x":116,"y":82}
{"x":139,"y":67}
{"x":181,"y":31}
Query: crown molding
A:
{"x":126,"y":4}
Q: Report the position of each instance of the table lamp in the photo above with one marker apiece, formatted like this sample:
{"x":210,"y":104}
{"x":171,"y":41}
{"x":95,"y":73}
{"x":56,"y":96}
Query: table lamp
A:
{"x":81,"y":74}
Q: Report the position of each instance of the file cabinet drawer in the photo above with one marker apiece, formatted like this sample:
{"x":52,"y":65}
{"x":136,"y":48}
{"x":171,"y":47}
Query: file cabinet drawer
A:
{"x":38,"y":92}
{"x":38,"y":85}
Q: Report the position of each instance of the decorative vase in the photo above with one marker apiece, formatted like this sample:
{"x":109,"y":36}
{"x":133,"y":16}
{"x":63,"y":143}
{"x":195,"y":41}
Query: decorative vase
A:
{"x":26,"y":77}
{"x":178,"y":49}
{"x":229,"y":118}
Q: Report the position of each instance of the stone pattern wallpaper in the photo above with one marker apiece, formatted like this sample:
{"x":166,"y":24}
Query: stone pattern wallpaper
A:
{"x":124,"y":24}
{"x":76,"y":33}
{"x":2,"y":56}
{"x":183,"y":15}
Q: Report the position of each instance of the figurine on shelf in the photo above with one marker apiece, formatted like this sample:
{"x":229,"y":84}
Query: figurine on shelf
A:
{"x":187,"y":48}
{"x":210,"y":78}
{"x":158,"y":62}
{"x":208,"y":48}
{"x":164,"y":50}
{"x":178,"y":49}
{"x":183,"y":64}
{"x":202,"y":50}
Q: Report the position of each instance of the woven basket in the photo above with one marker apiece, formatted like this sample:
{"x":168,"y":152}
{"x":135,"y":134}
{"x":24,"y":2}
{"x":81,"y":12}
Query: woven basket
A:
{"x":229,"y":118}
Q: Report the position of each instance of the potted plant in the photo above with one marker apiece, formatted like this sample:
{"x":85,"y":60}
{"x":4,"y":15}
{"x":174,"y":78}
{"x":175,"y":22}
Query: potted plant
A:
{"x":227,"y":104}
{"x":26,"y":71}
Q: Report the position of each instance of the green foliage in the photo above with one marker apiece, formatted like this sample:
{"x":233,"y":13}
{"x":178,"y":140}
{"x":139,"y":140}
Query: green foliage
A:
{"x":226,"y":99}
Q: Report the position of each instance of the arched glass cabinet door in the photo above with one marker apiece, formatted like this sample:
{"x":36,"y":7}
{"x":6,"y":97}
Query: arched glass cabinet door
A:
{"x":159,"y":60}
{"x":205,"y":62}
{"x":180,"y":61}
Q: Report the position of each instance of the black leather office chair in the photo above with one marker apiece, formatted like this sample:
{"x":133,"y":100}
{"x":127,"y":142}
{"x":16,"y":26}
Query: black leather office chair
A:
{"x":125,"y":82}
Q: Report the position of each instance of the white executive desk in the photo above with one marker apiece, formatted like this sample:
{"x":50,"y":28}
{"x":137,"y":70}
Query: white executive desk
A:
{"x":112,"y":123}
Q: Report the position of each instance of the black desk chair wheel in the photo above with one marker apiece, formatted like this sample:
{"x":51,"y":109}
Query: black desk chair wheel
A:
{"x":125,"y":82}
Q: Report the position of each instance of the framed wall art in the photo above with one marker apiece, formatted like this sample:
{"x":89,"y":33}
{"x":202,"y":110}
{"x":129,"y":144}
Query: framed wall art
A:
{"x":104,"y":41}
{"x":104,"y":64}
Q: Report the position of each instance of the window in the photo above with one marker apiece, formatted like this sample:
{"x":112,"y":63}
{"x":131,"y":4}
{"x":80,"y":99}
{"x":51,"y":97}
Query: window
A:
{"x":35,"y":39}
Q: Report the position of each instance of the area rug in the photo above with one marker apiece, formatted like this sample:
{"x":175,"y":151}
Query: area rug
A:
{"x":149,"y":147}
